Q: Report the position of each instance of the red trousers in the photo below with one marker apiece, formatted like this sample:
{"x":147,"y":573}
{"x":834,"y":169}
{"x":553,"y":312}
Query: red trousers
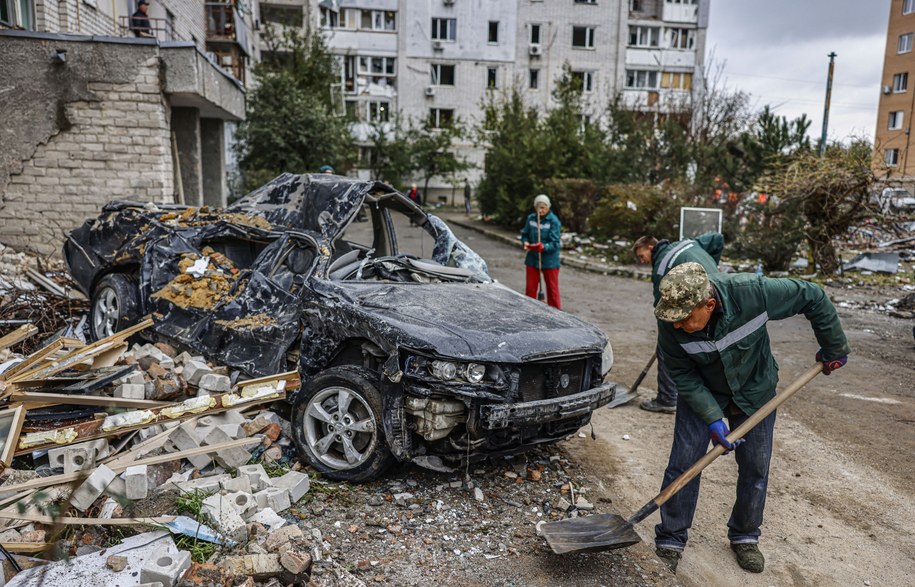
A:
{"x":551,"y":277}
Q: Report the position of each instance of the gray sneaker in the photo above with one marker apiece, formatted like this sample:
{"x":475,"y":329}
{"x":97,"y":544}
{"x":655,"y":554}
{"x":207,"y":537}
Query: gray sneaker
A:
{"x":670,"y":557}
{"x":749,"y":558}
{"x":654,"y":406}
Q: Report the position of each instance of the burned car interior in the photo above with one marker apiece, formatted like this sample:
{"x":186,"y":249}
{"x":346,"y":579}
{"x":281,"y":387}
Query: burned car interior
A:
{"x":406,"y":347}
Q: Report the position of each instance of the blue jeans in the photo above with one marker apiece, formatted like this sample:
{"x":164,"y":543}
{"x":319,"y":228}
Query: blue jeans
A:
{"x":691,"y":440}
{"x":667,"y":389}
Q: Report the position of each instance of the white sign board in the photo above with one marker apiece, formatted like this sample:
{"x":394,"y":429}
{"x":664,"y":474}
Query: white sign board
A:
{"x":696,"y":221}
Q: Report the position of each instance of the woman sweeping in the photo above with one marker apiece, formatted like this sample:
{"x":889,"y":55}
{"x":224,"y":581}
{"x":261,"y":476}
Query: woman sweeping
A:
{"x":540,"y":237}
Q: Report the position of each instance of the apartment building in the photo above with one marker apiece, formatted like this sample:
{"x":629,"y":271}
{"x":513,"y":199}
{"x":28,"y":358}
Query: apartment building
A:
{"x":439,"y":60}
{"x":893,"y":140}
{"x":92,"y":112}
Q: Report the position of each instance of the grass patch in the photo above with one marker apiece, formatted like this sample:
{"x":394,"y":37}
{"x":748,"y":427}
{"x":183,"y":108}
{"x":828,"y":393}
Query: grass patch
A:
{"x":191,"y":504}
{"x":200,"y":551}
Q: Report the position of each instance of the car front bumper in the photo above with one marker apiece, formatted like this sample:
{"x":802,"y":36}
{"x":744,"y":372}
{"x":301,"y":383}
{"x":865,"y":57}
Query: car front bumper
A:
{"x":500,"y":416}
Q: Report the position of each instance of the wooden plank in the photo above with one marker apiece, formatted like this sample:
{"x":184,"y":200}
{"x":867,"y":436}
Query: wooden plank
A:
{"x":18,"y":335}
{"x":109,"y":357}
{"x":93,"y":430}
{"x":17,"y":417}
{"x":35,"y":358}
{"x":69,"y":521}
{"x":26,"y":547}
{"x":119,"y":467}
{"x":55,"y":399}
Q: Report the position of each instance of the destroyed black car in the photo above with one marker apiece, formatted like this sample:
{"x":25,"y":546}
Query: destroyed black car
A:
{"x":406,"y":347}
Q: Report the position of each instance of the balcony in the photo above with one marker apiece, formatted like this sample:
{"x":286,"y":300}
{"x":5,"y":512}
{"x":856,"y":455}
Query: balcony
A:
{"x":160,"y":28}
{"x":675,"y":12}
{"x":227,"y":37}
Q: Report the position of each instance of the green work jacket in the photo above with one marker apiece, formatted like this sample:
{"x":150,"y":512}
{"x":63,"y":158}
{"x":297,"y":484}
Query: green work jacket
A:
{"x":549,"y":236}
{"x":736,"y":363}
{"x":705,"y":249}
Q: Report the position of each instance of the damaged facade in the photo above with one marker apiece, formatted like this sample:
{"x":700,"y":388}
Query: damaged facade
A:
{"x":407,"y":358}
{"x":97,"y":111}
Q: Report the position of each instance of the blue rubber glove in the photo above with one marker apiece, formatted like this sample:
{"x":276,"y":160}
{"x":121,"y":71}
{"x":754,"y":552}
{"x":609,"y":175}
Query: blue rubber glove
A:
{"x":832,"y":365}
{"x":718,"y":432}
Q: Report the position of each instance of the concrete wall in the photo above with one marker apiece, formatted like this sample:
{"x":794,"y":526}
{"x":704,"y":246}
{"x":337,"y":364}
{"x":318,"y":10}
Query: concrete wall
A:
{"x":75,"y":135}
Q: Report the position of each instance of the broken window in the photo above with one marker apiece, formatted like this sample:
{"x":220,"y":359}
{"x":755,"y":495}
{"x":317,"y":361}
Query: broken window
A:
{"x":535,"y":34}
{"x":379,"y":70}
{"x":441,"y":117}
{"x":644,"y":36}
{"x":641,"y":78}
{"x":492,"y":79}
{"x":493,"y":31}
{"x":674,"y":80}
{"x":292,"y":15}
{"x":679,"y":38}
{"x":583,"y":37}
{"x":444,"y":29}
{"x":442,"y":74}
{"x":379,"y":20}
{"x":534,"y":79}
{"x":349,"y":73}
{"x":330,"y":19}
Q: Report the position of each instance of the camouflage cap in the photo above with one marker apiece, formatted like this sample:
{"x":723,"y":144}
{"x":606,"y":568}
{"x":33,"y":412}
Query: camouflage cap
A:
{"x":682,"y":289}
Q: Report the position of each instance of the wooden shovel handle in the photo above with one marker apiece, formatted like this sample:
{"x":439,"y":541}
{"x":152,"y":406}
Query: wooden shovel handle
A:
{"x":739,"y":432}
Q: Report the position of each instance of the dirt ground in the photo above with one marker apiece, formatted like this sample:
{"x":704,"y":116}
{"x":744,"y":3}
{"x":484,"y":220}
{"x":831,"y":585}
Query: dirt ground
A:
{"x":840,"y":505}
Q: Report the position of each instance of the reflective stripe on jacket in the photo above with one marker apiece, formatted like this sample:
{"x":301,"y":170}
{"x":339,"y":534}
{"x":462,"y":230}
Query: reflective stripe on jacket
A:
{"x":736,"y":362}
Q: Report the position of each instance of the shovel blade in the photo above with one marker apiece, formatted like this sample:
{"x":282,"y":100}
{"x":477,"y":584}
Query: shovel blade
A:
{"x":589,"y":534}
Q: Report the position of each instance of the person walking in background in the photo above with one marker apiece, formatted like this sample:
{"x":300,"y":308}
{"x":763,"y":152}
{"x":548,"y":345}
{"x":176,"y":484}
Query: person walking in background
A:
{"x":467,"y":193}
{"x":663,"y":256}
{"x":540,"y":238}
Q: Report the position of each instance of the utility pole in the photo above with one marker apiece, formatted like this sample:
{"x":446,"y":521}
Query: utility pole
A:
{"x":832,"y":65}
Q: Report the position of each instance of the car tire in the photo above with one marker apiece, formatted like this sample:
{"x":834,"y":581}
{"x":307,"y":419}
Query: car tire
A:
{"x":115,"y":305}
{"x":349,"y":444}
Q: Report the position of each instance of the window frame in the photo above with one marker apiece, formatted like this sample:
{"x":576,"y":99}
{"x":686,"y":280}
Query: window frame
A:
{"x":904,"y":44}
{"x":681,"y":38}
{"x":435,"y":118}
{"x":908,"y":7}
{"x":589,"y":37}
{"x":492,"y":37}
{"x":492,"y":78}
{"x":450,"y":26}
{"x":533,"y":78}
{"x":641,"y":78}
{"x":903,"y":85}
{"x":896,"y":120}
{"x":382,"y":110}
{"x":587,"y":79}
{"x":539,"y":27}
{"x":887,"y":156}
{"x":639,"y":29}
{"x":435,"y":72}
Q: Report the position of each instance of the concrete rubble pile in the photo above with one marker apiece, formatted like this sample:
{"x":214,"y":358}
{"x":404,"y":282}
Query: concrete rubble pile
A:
{"x":114,"y":439}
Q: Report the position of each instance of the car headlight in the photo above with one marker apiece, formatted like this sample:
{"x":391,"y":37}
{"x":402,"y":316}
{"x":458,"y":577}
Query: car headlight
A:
{"x":444,"y":370}
{"x":474,"y":372}
{"x":606,"y":360}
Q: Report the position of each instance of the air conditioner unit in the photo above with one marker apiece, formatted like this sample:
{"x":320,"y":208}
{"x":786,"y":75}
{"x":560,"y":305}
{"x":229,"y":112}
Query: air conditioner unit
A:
{"x":536,"y":50}
{"x":430,"y":91}
{"x":437,"y":45}
{"x":887,"y":89}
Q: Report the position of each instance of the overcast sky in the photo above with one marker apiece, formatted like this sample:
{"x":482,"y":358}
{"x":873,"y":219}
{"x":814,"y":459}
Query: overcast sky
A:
{"x":776,"y":50}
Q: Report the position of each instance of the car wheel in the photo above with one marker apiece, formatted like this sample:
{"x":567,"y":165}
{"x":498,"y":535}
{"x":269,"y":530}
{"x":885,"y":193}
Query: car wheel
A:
{"x":115,"y":305}
{"x":338,"y":425}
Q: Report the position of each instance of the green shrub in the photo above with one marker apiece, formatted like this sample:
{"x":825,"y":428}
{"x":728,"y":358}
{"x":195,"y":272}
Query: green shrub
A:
{"x":633,"y":210}
{"x":574,"y":201}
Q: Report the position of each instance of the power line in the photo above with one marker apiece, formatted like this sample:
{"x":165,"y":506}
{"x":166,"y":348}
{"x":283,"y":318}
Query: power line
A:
{"x":800,"y":81}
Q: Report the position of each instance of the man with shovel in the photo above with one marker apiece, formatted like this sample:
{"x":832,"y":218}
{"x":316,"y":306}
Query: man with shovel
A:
{"x":663,"y":256}
{"x":713,"y":338}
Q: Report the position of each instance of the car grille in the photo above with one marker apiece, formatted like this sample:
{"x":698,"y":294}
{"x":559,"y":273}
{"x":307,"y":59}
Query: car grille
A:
{"x":541,"y":381}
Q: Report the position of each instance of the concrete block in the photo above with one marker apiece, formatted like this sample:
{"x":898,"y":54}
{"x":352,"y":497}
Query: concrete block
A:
{"x":194,"y":370}
{"x":183,"y":358}
{"x":92,"y":488}
{"x":259,"y":567}
{"x":239,"y":483}
{"x":230,"y":458}
{"x":131,"y":390}
{"x":166,"y":567}
{"x":296,"y":483}
{"x":244,"y":502}
{"x":210,"y":484}
{"x":78,"y":458}
{"x":283,"y":536}
{"x":234,"y":430}
{"x":135,"y":479}
{"x":228,"y":417}
{"x":117,"y":488}
{"x":185,"y":438}
{"x":225,"y":517}
{"x":99,"y":448}
{"x":273,"y":498}
{"x":215,"y":383}
{"x":257,"y":477}
{"x":268,"y":518}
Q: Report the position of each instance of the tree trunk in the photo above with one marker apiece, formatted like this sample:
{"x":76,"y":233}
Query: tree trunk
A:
{"x":824,"y":254}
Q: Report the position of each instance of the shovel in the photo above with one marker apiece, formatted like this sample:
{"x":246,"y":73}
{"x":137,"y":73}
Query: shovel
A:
{"x":541,"y":295}
{"x":625,"y":396}
{"x":610,"y":531}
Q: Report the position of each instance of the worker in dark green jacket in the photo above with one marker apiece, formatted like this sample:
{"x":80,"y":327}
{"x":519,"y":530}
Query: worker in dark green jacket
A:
{"x":663,"y":256}
{"x":713,"y":337}
{"x":540,"y":238}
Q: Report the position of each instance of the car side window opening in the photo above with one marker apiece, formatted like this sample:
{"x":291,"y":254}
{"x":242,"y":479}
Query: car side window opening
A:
{"x":240,"y":253}
{"x":291,"y":272}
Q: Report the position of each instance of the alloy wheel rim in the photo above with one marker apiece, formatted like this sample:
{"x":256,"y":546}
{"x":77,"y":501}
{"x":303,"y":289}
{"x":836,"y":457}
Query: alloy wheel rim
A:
{"x":340,"y":429}
{"x":105,"y":317}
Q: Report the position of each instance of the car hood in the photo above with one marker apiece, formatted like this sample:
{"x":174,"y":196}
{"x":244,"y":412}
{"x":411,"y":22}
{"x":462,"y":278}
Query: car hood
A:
{"x":478,"y":321}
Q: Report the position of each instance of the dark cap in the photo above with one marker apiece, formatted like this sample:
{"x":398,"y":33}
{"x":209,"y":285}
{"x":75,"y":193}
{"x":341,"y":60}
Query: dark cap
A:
{"x":141,"y":2}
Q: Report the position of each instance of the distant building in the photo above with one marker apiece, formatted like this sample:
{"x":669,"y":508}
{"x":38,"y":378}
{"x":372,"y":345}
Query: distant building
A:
{"x":893,"y":139}
{"x":91,"y":112}
{"x":439,"y":59}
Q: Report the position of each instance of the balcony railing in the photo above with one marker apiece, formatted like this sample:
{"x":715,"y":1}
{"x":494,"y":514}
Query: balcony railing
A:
{"x":159,"y":28}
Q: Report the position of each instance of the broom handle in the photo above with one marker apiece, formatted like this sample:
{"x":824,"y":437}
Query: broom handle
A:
{"x":539,"y":255}
{"x":717,"y":450}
